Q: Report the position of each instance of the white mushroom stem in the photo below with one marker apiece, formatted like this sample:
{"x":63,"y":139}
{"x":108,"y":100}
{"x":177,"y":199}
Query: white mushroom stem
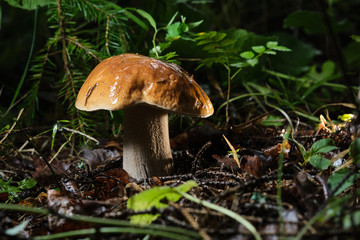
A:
{"x":147,"y":150}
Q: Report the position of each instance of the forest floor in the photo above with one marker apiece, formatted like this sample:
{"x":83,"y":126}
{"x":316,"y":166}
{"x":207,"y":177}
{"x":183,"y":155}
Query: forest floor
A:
{"x":293,"y":199}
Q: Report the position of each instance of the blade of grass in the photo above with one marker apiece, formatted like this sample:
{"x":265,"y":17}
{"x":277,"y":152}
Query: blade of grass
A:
{"x":12,"y":127}
{"x":336,"y":202}
{"x":224,"y":211}
{"x":304,"y":79}
{"x":175,"y":231}
{"x":112,"y":230}
{"x":280,"y":177}
{"x":237,"y":98}
{"x":233,"y":151}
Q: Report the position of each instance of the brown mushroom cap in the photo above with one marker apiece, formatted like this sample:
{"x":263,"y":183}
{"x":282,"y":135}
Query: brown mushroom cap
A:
{"x":128,"y":79}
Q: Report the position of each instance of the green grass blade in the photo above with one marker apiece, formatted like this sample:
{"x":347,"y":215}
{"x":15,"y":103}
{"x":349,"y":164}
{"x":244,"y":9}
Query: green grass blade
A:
{"x":224,"y":211}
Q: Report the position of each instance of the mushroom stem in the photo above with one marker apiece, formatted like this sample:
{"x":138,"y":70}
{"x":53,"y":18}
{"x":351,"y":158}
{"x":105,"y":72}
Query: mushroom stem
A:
{"x":147,"y":150}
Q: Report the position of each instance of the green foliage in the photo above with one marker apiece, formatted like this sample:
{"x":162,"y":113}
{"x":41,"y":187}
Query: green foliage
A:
{"x":302,"y":89}
{"x":356,"y":38}
{"x":174,"y":31}
{"x":258,"y":198}
{"x":78,"y":48}
{"x":355,"y":151}
{"x":17,"y":229}
{"x":235,"y":50}
{"x":29,"y":4}
{"x":321,"y":146}
{"x":344,"y":176}
{"x":320,"y":162}
{"x":299,"y":60}
{"x":338,"y":178}
{"x":314,"y":154}
{"x":156,"y":197}
{"x":250,"y":65}
{"x":273,"y":120}
{"x":7,"y":187}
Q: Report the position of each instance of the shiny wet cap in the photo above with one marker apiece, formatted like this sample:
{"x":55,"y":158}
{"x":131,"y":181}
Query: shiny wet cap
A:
{"x":128,"y":79}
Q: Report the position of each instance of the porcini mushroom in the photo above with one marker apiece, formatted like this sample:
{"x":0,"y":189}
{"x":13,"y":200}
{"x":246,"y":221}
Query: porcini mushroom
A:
{"x":147,"y":89}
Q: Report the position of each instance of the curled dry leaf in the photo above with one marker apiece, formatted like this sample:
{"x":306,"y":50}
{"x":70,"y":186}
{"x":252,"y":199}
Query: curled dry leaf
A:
{"x":62,"y":206}
{"x":96,"y":157}
{"x":111,"y":183}
{"x":252,"y":165}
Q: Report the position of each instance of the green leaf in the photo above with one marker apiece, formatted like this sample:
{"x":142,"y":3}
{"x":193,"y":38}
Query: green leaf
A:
{"x":281,"y":48}
{"x":327,"y":71}
{"x":211,"y":37}
{"x":355,"y":150}
{"x":252,"y":62}
{"x":6,"y":127}
{"x":17,"y":229}
{"x":257,"y":197}
{"x":274,"y":45}
{"x":337,"y":177}
{"x":194,"y":24}
{"x":54,"y":131}
{"x":320,"y":162}
{"x":27,"y":183}
{"x":169,"y":56}
{"x":238,"y":64}
{"x":298,"y":61}
{"x":273,"y":120}
{"x":322,"y":146}
{"x":271,"y":44}
{"x":219,"y":36}
{"x":270,"y":52}
{"x":174,"y":31}
{"x":148,"y":17}
{"x":155,"y":197}
{"x":356,"y":38}
{"x":11,"y":190}
{"x":247,"y":54}
{"x":258,"y":49}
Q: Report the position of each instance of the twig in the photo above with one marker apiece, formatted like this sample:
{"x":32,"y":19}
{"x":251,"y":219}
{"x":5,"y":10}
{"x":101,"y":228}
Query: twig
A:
{"x":199,"y":155}
{"x":44,"y":158}
{"x":80,"y":133}
{"x":191,"y":220}
{"x":60,"y":148}
{"x":12,"y":127}
{"x":324,"y":186}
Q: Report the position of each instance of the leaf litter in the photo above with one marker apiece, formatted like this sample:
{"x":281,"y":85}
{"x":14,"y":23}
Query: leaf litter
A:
{"x":93,"y":184}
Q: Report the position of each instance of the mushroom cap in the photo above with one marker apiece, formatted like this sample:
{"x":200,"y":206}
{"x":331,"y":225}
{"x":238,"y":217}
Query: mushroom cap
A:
{"x":128,"y":79}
